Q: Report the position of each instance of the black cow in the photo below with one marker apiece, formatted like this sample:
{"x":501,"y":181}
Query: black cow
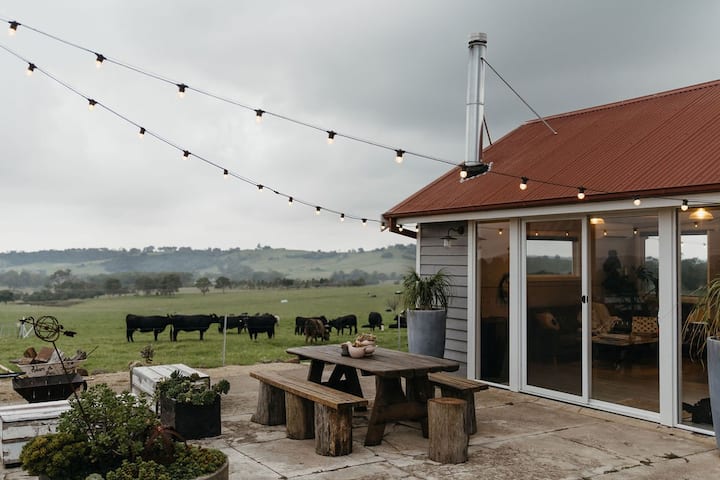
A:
{"x":191,"y":323}
{"x":374,"y":321}
{"x":401,"y":320}
{"x":233,"y":321}
{"x":341,"y":323}
{"x":261,"y":323}
{"x":300,"y":323}
{"x":152,"y":323}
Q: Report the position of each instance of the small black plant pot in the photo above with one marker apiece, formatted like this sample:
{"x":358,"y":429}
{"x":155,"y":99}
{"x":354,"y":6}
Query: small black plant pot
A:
{"x":191,"y":421}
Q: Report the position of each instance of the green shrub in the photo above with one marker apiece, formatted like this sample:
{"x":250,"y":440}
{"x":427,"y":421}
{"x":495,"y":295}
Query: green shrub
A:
{"x":117,"y":436}
{"x":60,"y":456}
{"x":114,"y":426}
{"x":190,"y":390}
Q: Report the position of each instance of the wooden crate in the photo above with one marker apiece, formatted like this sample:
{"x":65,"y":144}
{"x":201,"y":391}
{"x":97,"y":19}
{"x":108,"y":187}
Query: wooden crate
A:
{"x":145,"y":379}
{"x":21,"y":423}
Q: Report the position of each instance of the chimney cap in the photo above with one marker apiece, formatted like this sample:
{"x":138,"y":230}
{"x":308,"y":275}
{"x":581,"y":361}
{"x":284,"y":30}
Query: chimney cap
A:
{"x":477,"y":38}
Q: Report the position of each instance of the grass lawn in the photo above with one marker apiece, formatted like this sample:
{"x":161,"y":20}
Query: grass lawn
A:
{"x":101,"y":323}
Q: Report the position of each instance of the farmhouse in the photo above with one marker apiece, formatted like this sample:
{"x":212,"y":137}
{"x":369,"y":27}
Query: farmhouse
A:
{"x":582,"y":253}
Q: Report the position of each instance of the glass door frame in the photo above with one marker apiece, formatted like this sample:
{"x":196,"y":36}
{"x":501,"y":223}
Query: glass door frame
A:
{"x":583,"y":398}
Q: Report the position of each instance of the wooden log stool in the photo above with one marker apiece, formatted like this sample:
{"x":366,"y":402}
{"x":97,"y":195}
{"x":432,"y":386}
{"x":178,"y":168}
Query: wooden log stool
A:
{"x":462,"y":388}
{"x":447,"y":430}
{"x":270,"y":405}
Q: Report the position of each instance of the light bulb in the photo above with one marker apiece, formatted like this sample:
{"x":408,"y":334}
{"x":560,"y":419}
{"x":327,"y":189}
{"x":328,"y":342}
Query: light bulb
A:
{"x":141,"y":133}
{"x":523,"y":183}
{"x":364,"y":222}
{"x":30,"y":69}
{"x":581,"y":193}
{"x":13,"y":28}
{"x":331,"y":137}
{"x":186,"y":154}
{"x":500,"y":231}
{"x":342,"y":217}
{"x":258,"y":115}
{"x":317,"y":210}
{"x":260,"y":187}
{"x":463,"y":171}
{"x":290,"y":200}
{"x":91,"y":104}
{"x":226,"y":174}
{"x":637,"y":201}
{"x":181,"y":89}
{"x":99,"y":59}
{"x":399,"y":156}
{"x":684,"y":206}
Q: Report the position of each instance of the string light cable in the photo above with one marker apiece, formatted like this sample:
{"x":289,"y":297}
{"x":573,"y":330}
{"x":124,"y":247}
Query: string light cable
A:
{"x":183,"y":87}
{"x":186,"y":153}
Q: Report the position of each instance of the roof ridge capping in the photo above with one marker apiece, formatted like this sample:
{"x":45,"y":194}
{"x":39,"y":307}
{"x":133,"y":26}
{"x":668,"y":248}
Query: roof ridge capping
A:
{"x":621,"y":103}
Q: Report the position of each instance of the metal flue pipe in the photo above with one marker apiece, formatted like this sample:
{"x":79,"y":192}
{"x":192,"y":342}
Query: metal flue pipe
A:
{"x":477,"y":46}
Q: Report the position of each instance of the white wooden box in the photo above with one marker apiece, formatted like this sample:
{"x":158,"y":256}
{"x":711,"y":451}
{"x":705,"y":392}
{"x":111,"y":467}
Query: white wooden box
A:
{"x":144,"y":379}
{"x":21,"y":423}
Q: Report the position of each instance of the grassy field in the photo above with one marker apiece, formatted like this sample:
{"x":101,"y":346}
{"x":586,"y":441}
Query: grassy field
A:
{"x":101,"y":323}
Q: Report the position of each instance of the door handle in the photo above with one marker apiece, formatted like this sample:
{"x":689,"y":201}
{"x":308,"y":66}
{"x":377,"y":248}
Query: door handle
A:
{"x":584,"y":298}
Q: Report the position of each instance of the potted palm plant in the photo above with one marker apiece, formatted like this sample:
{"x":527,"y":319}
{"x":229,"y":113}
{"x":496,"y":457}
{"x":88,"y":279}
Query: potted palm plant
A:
{"x":425,"y":299}
{"x":707,"y":339}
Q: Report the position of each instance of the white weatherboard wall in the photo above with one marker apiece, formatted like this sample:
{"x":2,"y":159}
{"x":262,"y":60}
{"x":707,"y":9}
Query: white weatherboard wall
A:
{"x":433,"y":256}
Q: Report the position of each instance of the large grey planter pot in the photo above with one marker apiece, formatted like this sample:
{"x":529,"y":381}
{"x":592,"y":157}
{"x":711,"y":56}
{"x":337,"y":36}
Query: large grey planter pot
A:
{"x":713,"y":360}
{"x":426,"y":332}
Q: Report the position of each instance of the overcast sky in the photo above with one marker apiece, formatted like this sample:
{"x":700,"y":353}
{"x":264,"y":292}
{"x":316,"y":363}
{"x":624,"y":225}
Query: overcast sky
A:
{"x":393,"y":72}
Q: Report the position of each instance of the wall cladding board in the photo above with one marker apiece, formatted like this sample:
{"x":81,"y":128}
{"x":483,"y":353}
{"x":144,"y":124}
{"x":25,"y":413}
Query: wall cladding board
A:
{"x":454,"y":262}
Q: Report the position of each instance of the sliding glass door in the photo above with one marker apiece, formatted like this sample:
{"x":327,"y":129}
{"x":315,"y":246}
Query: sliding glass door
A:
{"x":553,"y":298}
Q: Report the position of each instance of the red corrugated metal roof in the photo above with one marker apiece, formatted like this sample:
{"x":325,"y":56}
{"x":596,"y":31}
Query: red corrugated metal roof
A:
{"x":658,"y":145}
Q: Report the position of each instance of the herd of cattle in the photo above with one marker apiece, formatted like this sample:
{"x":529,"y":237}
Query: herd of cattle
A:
{"x":314,"y":328}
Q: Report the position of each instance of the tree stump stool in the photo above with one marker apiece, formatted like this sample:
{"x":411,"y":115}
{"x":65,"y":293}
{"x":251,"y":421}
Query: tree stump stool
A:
{"x":447,"y":428}
{"x":270,"y":406}
{"x":299,"y":416}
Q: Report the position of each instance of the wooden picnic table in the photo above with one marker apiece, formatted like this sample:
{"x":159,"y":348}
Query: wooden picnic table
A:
{"x":389,"y":367}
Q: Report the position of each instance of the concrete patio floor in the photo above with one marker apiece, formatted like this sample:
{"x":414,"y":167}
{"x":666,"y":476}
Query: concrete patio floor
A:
{"x":519,"y":437}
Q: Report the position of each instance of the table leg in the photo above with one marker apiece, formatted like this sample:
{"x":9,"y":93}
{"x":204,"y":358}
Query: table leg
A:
{"x":351,"y":384}
{"x":419,"y":389}
{"x":392,"y":405}
{"x":316,"y":370}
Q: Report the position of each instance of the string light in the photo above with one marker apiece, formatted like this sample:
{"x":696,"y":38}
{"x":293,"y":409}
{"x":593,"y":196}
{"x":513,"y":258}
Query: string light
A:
{"x":99,"y":59}
{"x":399,"y":155}
{"x":181,"y":89}
{"x":317,"y":210}
{"x":500,"y":231}
{"x":186,"y":153}
{"x":684,"y":206}
{"x":635,"y":231}
{"x":400,"y":228}
{"x":581,"y":193}
{"x":30,"y":69}
{"x":463,"y":171}
{"x":637,"y":201}
{"x":258,"y":115}
{"x":523,"y":183}
{"x":13,"y":28}
{"x":331,"y":137}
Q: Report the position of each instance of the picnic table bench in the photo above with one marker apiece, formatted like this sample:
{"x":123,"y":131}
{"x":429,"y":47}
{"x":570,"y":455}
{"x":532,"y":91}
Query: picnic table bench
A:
{"x":308,"y":410}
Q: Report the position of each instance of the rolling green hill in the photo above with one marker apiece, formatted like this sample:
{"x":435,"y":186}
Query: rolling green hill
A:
{"x":387,"y":263}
